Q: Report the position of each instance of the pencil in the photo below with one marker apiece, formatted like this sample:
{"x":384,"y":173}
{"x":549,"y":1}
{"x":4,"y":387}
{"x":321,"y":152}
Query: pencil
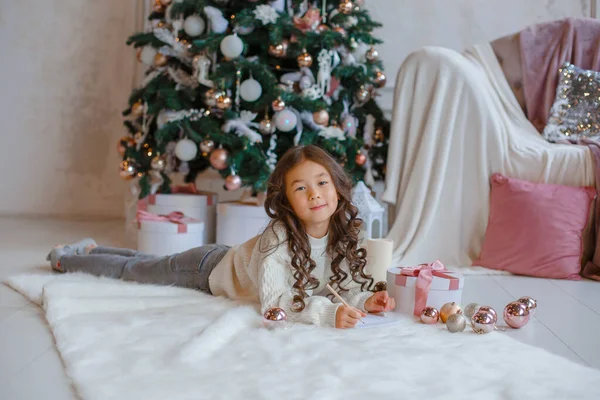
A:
{"x":336,"y":294}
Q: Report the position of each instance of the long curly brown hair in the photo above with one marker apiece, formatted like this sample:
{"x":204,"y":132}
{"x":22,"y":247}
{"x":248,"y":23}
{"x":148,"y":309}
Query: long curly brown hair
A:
{"x":344,"y":226}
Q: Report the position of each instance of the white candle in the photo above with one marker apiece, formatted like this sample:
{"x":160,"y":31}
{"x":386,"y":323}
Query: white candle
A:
{"x":379,"y":258}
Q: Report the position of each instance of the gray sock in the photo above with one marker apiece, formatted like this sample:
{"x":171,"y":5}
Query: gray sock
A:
{"x":75,"y":248}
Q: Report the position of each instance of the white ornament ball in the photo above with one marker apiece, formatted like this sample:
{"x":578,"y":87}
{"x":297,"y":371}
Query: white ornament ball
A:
{"x":285,"y":120}
{"x":232,"y":46}
{"x":194,"y":25}
{"x":186,"y":150}
{"x":250,"y":90}
{"x":147,"y":55}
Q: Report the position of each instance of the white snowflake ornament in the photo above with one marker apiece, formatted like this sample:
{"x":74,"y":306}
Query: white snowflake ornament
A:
{"x":266,"y":14}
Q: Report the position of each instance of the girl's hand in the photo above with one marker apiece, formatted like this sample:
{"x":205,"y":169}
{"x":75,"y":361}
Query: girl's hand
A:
{"x":347,"y":317}
{"x":380,"y":302}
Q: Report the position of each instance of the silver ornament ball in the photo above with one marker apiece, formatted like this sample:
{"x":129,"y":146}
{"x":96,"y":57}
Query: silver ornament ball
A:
{"x":456,"y":322}
{"x":275,"y":318}
{"x":529,"y":303}
{"x":482,"y":322}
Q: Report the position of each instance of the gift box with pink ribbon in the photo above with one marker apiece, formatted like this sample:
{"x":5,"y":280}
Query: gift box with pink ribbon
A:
{"x":431,"y":285}
{"x":193,"y":203}
{"x":167,"y":234}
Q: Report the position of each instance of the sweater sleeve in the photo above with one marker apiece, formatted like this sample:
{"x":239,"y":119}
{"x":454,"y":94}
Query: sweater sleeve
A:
{"x":275,"y":288}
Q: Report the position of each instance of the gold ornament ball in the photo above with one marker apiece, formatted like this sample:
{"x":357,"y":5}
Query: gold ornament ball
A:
{"x":379,"y":80}
{"x":233,"y":182}
{"x":160,"y":60}
{"x":218,"y":159}
{"x":378,"y":135}
{"x":210,"y":97}
{"x":223,"y":101}
{"x":471,"y":309}
{"x":278,"y":105}
{"x":127,"y":170}
{"x":305,"y":60}
{"x":206,"y":146}
{"x":363,"y":94}
{"x":346,"y":7}
{"x":529,"y":303}
{"x":372,"y":54}
{"x":267,"y":127}
{"x":123,"y":144}
{"x":278,"y":50}
{"x":360,"y":159}
{"x":158,"y":163}
{"x":137,"y":109}
{"x":447,"y":310}
{"x":321,"y":117}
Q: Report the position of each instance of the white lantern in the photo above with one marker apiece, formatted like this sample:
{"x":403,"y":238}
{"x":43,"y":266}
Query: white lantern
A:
{"x":369,"y":210}
{"x":250,"y":90}
{"x":285,"y":120}
{"x":194,"y":25}
{"x":186,"y":150}
{"x":232,"y":46}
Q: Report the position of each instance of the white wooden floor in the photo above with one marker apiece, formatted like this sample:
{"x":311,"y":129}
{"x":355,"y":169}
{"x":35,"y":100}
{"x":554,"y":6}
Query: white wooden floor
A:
{"x":567,"y":322}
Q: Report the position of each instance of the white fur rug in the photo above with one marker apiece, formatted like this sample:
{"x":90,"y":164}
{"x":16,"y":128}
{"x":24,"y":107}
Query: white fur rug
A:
{"x":127,"y":341}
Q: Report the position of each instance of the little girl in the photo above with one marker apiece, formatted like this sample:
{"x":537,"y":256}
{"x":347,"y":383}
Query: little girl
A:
{"x":312,"y":240}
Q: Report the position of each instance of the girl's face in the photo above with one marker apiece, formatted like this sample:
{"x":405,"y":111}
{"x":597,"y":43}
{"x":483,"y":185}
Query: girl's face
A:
{"x":312,"y":195}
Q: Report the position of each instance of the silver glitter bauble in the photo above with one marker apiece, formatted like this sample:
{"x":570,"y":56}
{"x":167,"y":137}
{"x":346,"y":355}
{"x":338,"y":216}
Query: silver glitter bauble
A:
{"x":482,"y":322}
{"x":380,"y":286}
{"x":471,"y":309}
{"x":275,"y":318}
{"x":529,"y":303}
{"x":456,"y":322}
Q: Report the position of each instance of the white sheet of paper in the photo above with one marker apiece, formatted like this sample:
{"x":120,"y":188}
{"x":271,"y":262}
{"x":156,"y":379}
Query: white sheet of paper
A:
{"x":373,"y":320}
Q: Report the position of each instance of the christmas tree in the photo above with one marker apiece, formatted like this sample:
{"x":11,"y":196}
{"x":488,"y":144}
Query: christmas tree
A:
{"x":233,"y":84}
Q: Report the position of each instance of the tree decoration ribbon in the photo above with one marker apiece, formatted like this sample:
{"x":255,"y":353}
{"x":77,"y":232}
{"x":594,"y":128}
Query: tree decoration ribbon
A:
{"x":424,"y":274}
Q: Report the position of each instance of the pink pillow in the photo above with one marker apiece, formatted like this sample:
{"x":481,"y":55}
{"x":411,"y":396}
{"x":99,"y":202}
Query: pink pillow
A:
{"x":535,"y":229}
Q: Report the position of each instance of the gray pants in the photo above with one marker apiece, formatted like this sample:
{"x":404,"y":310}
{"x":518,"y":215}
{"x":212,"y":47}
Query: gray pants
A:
{"x":189,"y":269}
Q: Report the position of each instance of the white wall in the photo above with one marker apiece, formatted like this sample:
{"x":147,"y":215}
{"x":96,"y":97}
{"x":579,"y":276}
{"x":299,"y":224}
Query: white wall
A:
{"x":457,"y":24}
{"x":67,"y":74}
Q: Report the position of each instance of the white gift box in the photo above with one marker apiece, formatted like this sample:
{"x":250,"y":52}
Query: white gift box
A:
{"x":165,"y":237}
{"x":201,"y":206}
{"x":446,"y":286}
{"x":238,"y":222}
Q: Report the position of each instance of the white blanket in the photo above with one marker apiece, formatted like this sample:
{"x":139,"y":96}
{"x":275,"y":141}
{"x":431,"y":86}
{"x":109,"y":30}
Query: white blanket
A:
{"x":127,"y":341}
{"x":455,"y":123}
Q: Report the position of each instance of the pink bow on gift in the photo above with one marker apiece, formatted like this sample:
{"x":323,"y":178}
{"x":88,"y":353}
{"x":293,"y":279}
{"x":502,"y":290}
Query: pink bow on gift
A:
{"x":175,"y":217}
{"x":424,"y":274}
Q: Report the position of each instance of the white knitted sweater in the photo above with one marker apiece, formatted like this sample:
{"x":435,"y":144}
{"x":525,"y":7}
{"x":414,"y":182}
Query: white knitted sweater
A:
{"x":259,"y":272}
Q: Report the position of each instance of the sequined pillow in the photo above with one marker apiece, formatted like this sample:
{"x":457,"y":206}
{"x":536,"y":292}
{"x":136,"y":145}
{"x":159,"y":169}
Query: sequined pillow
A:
{"x":575,"y":113}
